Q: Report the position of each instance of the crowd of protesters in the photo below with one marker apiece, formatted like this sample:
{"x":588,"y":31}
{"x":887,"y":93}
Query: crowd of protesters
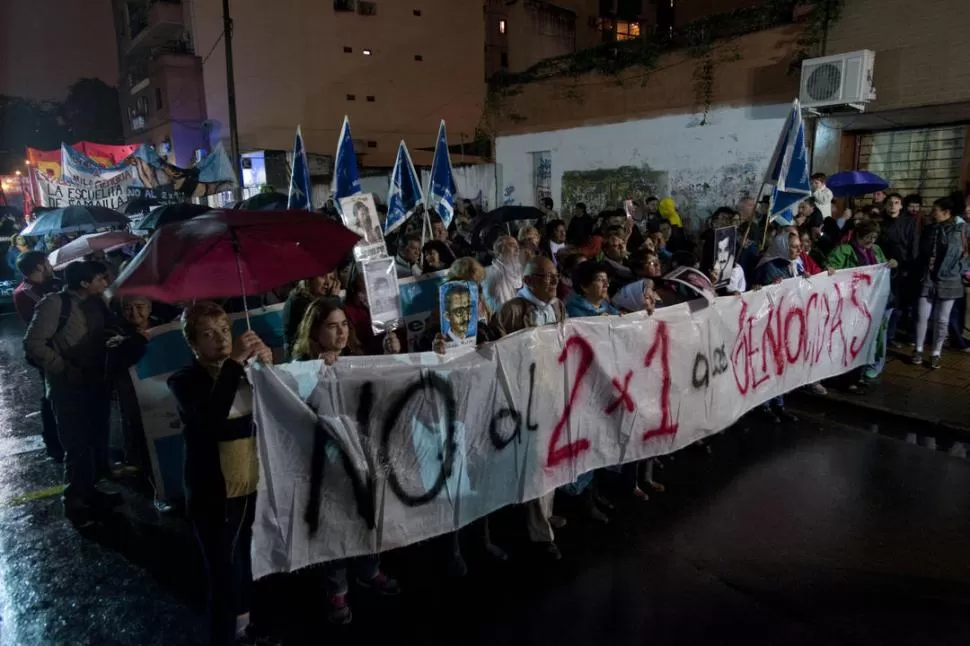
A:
{"x":529,"y":274}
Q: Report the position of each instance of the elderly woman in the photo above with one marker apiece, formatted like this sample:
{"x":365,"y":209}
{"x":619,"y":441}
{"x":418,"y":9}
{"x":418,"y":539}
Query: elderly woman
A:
{"x":214,"y":403}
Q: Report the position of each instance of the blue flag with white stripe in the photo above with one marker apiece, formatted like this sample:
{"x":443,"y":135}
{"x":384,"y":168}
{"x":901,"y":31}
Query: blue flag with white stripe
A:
{"x":789,"y":171}
{"x":442,"y":191}
{"x":300,"y":196}
{"x":405,"y":194}
{"x":346,"y":177}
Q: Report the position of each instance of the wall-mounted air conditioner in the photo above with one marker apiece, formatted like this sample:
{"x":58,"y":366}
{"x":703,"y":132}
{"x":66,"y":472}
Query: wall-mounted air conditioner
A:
{"x":840,"y":81}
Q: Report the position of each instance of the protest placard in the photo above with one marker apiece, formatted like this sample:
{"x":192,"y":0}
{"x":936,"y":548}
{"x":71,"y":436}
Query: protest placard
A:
{"x":383,"y":295}
{"x":458,"y":308}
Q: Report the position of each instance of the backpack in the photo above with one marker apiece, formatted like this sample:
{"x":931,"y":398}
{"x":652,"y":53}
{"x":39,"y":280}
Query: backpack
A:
{"x":62,"y":318}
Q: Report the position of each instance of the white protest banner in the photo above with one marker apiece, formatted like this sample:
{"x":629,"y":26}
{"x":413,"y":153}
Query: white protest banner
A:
{"x":394,"y":450}
{"x":111,"y":193}
{"x":165,"y":353}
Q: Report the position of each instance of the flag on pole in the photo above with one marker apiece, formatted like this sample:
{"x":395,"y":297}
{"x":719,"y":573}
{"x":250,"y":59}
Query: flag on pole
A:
{"x":300,"y":190}
{"x":346,"y":178}
{"x":442,"y":190}
{"x":405,"y":194}
{"x":789,"y":171}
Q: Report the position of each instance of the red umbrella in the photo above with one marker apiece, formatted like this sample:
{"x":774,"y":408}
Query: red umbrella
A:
{"x":88,"y":244}
{"x":234,"y":253}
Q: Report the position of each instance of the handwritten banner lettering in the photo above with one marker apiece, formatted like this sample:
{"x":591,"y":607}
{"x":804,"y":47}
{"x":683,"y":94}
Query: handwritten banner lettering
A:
{"x":391,"y":450}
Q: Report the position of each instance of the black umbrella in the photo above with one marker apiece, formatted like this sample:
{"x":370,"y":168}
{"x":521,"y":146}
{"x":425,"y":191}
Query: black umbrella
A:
{"x":271,"y":201}
{"x":514,"y":213}
{"x":171,"y":213}
{"x":75,"y":219}
{"x":141,"y":205}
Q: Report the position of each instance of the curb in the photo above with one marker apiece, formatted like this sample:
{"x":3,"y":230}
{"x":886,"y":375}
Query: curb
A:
{"x":838,"y":404}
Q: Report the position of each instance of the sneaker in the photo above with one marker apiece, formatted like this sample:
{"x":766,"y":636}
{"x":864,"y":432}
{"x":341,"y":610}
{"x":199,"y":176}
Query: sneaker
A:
{"x":916,"y":359}
{"x":594,"y":514}
{"x":897,"y":345}
{"x":340,"y":613}
{"x":935,"y":362}
{"x":381,"y":584}
{"x":557,"y":522}
{"x":818,"y":389}
{"x":495,"y":552}
{"x":785,"y":416}
{"x":769,"y":415}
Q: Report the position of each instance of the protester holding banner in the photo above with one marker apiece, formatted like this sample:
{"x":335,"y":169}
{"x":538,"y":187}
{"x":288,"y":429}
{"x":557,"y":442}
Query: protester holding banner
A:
{"x":299,"y":300}
{"x":325,"y":333}
{"x":215,"y":405}
{"x":535,"y":305}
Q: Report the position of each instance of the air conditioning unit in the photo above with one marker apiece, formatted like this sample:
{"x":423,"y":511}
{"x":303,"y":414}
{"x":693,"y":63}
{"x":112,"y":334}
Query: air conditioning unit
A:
{"x":840,"y":81}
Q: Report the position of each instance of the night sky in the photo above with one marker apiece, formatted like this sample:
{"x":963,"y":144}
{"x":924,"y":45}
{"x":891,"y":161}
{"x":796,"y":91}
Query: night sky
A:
{"x":45,"y":45}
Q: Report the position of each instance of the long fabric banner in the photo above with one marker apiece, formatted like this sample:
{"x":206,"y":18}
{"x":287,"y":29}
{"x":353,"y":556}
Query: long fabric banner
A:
{"x":82,"y":180}
{"x":375,"y":453}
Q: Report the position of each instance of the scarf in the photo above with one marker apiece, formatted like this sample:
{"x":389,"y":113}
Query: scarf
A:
{"x":545,"y":313}
{"x":630,"y":298}
{"x":868,"y":256}
{"x":501,"y":282}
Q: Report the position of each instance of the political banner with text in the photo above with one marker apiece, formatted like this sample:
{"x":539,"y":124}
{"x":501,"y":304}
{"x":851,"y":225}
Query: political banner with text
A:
{"x":374,"y":453}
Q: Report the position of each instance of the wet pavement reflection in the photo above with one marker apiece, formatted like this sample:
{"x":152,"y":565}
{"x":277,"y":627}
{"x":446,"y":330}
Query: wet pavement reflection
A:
{"x":802,"y":535}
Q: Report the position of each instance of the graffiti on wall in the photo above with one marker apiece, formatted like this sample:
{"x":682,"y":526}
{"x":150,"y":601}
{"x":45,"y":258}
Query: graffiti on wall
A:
{"x":508,"y":195}
{"x":699,"y":192}
{"x":606,"y":188}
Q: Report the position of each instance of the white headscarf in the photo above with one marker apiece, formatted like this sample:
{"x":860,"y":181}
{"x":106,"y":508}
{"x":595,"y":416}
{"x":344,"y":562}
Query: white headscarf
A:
{"x":630,"y":297}
{"x":502,"y":281}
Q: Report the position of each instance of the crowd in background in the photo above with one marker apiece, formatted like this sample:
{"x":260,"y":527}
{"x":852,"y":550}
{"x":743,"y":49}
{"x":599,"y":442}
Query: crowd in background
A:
{"x":530,"y":273}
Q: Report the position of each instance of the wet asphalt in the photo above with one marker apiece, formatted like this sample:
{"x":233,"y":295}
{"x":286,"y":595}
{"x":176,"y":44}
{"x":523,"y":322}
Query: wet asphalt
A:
{"x":816,"y":533}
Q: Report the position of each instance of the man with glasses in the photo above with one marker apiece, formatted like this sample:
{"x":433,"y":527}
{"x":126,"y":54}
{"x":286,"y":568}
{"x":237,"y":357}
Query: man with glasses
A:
{"x":535,"y":305}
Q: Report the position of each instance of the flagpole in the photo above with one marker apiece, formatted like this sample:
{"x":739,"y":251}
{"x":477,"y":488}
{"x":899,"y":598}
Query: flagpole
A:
{"x":231,"y":97}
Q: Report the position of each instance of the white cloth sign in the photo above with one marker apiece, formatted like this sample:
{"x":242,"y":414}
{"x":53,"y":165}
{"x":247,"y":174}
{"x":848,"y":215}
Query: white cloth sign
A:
{"x":396,"y":449}
{"x":111,"y":193}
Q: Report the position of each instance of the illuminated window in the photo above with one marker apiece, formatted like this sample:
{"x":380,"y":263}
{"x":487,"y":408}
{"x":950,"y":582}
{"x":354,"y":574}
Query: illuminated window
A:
{"x":367,"y":52}
{"x":501,"y":26}
{"x":626,"y":30}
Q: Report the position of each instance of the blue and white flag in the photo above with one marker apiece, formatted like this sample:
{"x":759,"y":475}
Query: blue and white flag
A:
{"x":300,"y":195}
{"x":789,"y":171}
{"x":405,"y":194}
{"x":442,"y":191}
{"x":346,"y":177}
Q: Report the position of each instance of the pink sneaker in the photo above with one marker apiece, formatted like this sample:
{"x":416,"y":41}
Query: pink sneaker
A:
{"x":340,"y":613}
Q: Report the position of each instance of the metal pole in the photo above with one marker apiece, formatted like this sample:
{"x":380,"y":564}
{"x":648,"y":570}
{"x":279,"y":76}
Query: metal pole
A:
{"x":231,"y":94}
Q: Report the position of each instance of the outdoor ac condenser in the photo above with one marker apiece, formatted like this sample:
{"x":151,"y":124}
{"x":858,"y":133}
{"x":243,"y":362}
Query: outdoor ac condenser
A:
{"x":840,"y":81}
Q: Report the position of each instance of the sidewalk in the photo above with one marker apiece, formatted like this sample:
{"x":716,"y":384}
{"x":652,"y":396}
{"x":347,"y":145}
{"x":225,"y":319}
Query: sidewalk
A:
{"x":914,"y":394}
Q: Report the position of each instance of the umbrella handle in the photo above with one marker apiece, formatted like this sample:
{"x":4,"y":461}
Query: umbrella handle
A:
{"x":242,"y":283}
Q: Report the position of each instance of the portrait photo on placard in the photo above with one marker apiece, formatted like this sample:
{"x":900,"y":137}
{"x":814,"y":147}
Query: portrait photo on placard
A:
{"x":383,"y":295}
{"x":458,"y":303}
{"x":359,"y":214}
{"x":725,"y":241}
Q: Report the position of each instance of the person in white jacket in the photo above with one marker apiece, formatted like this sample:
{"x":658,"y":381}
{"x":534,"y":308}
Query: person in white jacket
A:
{"x":822,"y":195}
{"x":503,"y":278}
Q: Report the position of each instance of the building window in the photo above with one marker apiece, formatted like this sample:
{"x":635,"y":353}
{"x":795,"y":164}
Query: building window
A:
{"x":371,"y":98}
{"x":367,"y":52}
{"x":626,"y":30}
{"x":501,"y":26}
{"x":372,"y":144}
{"x":158,"y":98}
{"x":351,"y":97}
{"x":366,"y":8}
{"x":417,"y":13}
{"x":504,"y":60}
{"x":348,"y":50}
{"x":343,"y":5}
{"x":418,"y":57}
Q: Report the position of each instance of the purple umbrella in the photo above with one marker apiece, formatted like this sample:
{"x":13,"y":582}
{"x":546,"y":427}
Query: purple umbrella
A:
{"x":855,"y":183}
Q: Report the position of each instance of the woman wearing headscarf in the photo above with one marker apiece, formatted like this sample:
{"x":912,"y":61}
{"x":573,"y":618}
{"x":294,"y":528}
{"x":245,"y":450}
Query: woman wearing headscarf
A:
{"x":942,"y":262}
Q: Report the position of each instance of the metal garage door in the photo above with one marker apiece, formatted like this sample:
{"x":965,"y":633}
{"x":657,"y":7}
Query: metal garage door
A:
{"x":925,"y":161}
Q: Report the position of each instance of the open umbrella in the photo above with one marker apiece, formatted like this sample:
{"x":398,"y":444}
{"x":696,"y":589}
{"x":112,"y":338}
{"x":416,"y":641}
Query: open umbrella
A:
{"x":71,"y":219}
{"x":482,"y":235}
{"x":87,"y":244}
{"x":170,"y":213}
{"x":269,"y":201}
{"x":140,"y":205}
{"x":855,"y":183}
{"x":234,"y":253}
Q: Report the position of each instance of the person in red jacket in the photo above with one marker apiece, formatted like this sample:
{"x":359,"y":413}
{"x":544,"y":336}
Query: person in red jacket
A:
{"x":38,"y":282}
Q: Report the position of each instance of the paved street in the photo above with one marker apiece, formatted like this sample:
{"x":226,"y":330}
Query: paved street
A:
{"x":803,"y":535}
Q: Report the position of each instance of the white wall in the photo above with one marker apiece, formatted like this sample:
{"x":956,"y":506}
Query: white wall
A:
{"x":702,"y":167}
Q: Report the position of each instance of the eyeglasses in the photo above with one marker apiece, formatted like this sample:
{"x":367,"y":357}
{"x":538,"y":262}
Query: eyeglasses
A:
{"x":549,"y":278}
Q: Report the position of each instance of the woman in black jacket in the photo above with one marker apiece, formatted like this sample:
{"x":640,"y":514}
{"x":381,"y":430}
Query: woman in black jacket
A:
{"x":942,"y":262}
{"x":214,"y":402}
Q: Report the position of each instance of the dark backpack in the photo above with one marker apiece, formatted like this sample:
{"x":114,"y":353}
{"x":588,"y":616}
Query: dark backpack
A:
{"x":61,"y":321}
